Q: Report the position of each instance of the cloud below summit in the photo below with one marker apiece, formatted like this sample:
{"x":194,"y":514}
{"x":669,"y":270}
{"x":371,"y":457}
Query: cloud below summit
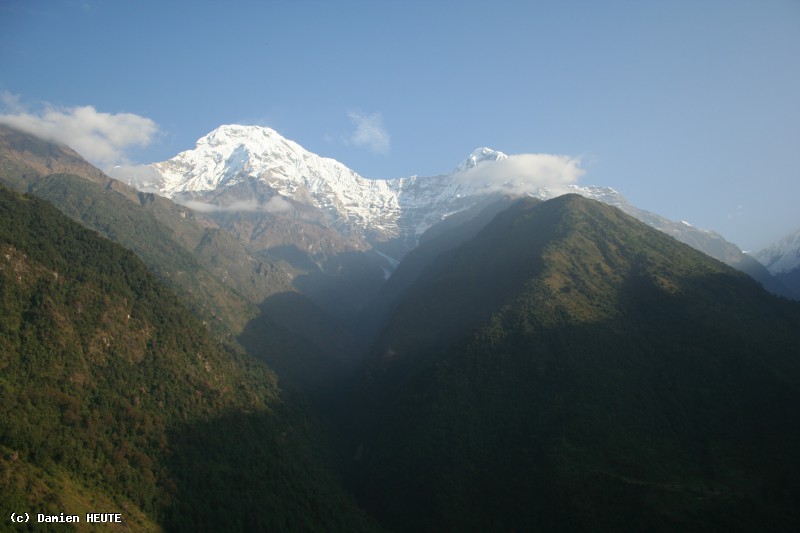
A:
{"x":524,"y":173}
{"x":274,"y":205}
{"x":102,"y":138}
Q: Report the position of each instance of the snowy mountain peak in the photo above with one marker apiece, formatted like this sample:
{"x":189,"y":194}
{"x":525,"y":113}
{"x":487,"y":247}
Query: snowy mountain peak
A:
{"x":479,"y":155}
{"x":256,"y":167}
{"x":782,"y":256}
{"x":232,"y":133}
{"x":234,"y":153}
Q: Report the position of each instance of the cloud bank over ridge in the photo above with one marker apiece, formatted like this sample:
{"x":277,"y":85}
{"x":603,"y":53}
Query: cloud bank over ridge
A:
{"x":102,"y":138}
{"x":524,"y":173}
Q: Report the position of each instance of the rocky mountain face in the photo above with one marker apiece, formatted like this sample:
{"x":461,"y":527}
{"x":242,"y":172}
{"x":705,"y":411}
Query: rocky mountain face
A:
{"x":284,"y":201}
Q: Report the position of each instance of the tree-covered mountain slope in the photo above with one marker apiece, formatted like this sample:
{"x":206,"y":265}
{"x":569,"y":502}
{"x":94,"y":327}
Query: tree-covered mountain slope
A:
{"x":115,"y":398}
{"x":239,"y":293}
{"x":572,"y":369}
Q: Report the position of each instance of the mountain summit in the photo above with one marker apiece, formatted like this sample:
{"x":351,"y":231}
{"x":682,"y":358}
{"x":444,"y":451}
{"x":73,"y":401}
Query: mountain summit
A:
{"x":479,"y":155}
{"x":231,"y":153}
{"x":782,"y":256}
{"x":235,"y":159}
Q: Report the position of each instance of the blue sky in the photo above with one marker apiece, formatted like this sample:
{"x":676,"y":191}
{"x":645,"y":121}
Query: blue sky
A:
{"x":689,"y":109}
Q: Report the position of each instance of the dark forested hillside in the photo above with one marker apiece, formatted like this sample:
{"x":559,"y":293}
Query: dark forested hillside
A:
{"x":791,"y":280}
{"x":571,"y":369}
{"x":116,"y":399}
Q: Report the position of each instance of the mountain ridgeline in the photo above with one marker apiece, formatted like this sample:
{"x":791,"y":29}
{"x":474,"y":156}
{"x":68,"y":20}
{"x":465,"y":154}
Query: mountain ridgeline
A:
{"x":297,"y":348}
{"x":283,"y":201}
{"x":570,"y":368}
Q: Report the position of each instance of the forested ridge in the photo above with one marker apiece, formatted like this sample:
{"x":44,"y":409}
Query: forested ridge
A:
{"x":111,"y":388}
{"x":570,"y":369}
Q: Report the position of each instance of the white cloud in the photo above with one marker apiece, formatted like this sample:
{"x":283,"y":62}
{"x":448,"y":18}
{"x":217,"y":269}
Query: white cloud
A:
{"x":370,"y":132}
{"x":275,"y":204}
{"x":202,"y":207}
{"x":102,"y":138}
{"x":525,"y":173}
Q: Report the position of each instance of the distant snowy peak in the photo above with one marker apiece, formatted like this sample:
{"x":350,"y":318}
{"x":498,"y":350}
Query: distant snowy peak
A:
{"x":782,"y":256}
{"x":232,"y":153}
{"x":239,"y":165}
{"x":479,"y":155}
{"x":606,"y":195}
{"x":235,"y":133}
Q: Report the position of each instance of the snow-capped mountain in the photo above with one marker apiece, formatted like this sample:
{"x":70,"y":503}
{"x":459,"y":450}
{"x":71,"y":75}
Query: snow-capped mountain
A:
{"x":781,"y":256}
{"x":256,"y":172}
{"x":479,"y":156}
{"x":232,"y":155}
{"x":375,"y":209}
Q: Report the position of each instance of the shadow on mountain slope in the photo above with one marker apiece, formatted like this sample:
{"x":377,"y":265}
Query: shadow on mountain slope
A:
{"x":308,"y":348}
{"x":345,"y":283}
{"x":257,"y":471}
{"x":674,"y":415}
{"x":569,"y":368}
